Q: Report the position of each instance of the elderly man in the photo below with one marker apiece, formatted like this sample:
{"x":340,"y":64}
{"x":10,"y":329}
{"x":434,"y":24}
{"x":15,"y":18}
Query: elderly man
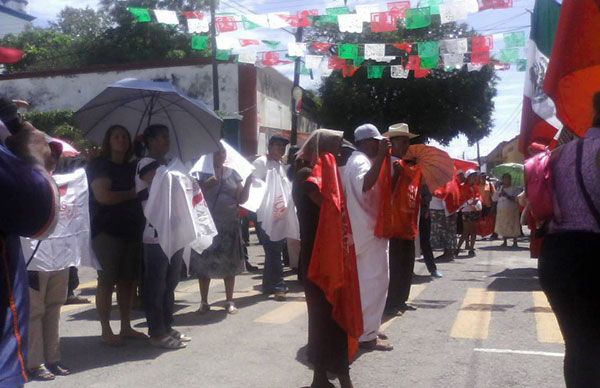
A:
{"x":273,"y":282}
{"x":360,"y":176}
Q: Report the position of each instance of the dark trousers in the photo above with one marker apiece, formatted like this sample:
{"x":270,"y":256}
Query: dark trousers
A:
{"x":73,"y":281}
{"x":425,"y":240}
{"x":160,"y":280}
{"x":273,"y":270}
{"x":568,"y":271}
{"x":402,"y":265}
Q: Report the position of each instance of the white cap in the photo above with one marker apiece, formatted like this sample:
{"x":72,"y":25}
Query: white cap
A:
{"x":367,"y":131}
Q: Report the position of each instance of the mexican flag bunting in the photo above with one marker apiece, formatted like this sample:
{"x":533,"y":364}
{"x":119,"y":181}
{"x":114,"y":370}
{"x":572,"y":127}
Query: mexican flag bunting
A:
{"x":199,"y":42}
{"x":573,"y":75}
{"x":273,"y":44}
{"x":538,"y":120}
{"x":249,"y":42}
{"x":141,"y":15}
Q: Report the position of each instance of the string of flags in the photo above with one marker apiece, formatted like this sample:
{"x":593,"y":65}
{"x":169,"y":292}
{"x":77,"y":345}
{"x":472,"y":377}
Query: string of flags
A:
{"x":401,"y":57}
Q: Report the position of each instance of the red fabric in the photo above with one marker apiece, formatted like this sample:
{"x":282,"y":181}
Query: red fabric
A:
{"x":539,"y":186}
{"x":535,"y":243}
{"x":486,"y":225}
{"x":494,"y":4}
{"x":414,"y":63}
{"x":398,"y":8}
{"x":271,"y":58}
{"x":465,"y":165}
{"x":421,"y":73}
{"x":349,"y":70}
{"x":573,"y":74}
{"x":321,"y":47}
{"x":406,"y":201}
{"x":403,"y":46}
{"x":383,"y":227}
{"x":534,"y":129}
{"x":333,"y":262}
{"x":482,"y":43}
{"x":10,"y":55}
{"x":480,"y":57}
{"x":194,"y":15}
{"x":248,"y":42}
{"x":225,"y":23}
{"x":451,"y":195}
{"x":337,"y":63}
{"x":384,"y":22}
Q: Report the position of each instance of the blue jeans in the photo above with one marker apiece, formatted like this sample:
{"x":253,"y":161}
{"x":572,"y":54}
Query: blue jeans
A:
{"x":273,"y":272}
{"x":160,"y":280}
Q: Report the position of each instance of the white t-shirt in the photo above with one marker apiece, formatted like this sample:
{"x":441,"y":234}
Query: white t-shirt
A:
{"x":437,"y":204}
{"x":264,"y":164}
{"x":362,"y":207}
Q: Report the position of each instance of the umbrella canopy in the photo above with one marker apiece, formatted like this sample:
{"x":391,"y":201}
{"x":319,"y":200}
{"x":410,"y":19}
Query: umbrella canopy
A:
{"x":195,"y":129}
{"x":465,"y":164}
{"x":436,"y":165}
{"x":515,"y":170}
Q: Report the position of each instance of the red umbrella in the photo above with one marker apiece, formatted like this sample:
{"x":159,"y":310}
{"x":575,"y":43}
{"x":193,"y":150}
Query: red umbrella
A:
{"x":465,"y":164}
{"x":10,"y":56}
{"x":436,"y":165}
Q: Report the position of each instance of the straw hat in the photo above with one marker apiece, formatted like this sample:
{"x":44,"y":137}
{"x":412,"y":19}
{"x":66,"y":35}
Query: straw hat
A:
{"x":400,"y":129}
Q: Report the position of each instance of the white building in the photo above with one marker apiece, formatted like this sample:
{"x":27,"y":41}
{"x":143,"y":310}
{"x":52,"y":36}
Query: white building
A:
{"x":13,"y":17}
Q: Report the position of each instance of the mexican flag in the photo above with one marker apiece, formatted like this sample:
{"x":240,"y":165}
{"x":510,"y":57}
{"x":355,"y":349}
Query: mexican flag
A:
{"x":539,"y":123}
{"x":574,"y":72}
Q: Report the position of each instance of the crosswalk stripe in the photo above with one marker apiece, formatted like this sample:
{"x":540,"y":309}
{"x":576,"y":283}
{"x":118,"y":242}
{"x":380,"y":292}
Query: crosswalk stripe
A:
{"x":284,"y":314}
{"x":548,"y":330}
{"x":473,"y":319}
{"x":415,"y":291}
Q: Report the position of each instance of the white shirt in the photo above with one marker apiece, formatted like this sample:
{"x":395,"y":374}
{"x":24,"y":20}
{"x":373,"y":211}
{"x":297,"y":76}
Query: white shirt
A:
{"x":437,"y":204}
{"x":362,"y":207}
{"x":150,"y":235}
{"x":264,"y":164}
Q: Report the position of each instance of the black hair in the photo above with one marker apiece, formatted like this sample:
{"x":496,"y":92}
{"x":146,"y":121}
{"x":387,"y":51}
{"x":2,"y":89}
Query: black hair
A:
{"x":140,"y":144}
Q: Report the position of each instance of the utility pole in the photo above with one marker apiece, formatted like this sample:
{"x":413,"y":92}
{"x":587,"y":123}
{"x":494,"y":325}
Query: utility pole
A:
{"x":215,"y":64}
{"x":295,"y":113}
{"x":478,"y":155}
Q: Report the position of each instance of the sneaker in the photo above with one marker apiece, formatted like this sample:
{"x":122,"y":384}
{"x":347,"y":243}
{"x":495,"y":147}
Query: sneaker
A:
{"x":280,"y":296}
{"x":437,"y":274}
{"x":179,"y":336}
{"x":76,"y":300}
{"x":231,"y":309}
{"x":471,"y":253}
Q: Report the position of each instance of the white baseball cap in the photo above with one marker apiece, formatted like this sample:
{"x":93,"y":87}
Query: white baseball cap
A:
{"x":367,"y":131}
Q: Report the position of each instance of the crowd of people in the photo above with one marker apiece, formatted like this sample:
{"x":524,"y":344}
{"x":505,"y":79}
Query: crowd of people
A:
{"x":335,"y":185}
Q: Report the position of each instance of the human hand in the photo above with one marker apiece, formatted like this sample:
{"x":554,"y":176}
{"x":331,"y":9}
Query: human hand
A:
{"x":384,"y":148}
{"x":30,"y":144}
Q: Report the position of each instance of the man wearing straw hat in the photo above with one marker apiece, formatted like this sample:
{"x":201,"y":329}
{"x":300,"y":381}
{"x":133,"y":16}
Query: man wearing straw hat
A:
{"x":402,"y":249}
{"x":360,"y":177}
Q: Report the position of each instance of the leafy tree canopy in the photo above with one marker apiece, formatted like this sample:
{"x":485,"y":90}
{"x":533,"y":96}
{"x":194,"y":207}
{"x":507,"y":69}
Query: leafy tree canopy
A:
{"x":440,"y":107}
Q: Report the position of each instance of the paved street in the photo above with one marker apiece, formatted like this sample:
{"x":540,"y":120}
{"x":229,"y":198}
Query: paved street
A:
{"x":485,"y":324}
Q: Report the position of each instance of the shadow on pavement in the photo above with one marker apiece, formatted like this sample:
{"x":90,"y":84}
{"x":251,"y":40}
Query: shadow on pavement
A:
{"x":503,"y":249}
{"x":432,"y":304}
{"x":515,"y":280}
{"x":88,"y":352}
{"x":421,"y":279}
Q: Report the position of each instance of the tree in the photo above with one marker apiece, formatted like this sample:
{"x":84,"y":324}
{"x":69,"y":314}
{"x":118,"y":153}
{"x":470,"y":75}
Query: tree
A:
{"x":82,"y":23}
{"x":440,"y":107}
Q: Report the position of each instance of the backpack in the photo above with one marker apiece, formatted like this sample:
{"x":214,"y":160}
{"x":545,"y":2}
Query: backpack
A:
{"x":539,"y":186}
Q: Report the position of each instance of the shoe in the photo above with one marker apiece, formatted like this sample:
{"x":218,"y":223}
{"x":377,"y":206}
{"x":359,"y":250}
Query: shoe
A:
{"x":437,"y":274}
{"x":406,"y":307}
{"x":76,"y":300}
{"x":280,"y":296}
{"x":58,"y":369}
{"x":376,"y":344}
{"x":179,"y":336}
{"x":167,"y":342}
{"x":204,"y":308}
{"x":382,"y":336}
{"x":41,"y":373}
{"x":393,"y":312}
{"x":471,"y":253}
{"x":251,"y":268}
{"x":231,"y":309}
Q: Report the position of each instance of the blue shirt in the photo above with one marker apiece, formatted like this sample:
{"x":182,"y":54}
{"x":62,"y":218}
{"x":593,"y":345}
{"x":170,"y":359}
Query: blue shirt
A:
{"x":26,"y":206}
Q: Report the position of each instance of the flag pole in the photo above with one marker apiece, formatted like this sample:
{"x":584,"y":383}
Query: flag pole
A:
{"x":295,"y":113}
{"x":215,"y":65}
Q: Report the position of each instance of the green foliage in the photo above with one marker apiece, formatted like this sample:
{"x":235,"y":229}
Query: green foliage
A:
{"x":60,"y":124}
{"x":439,"y":107}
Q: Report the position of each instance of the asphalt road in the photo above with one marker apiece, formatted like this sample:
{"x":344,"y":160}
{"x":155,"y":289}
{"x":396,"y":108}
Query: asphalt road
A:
{"x":484,"y":324}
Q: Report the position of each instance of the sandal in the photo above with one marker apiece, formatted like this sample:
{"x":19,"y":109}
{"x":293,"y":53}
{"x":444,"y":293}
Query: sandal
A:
{"x":376,"y":344}
{"x":167,"y":342}
{"x":179,"y":336}
{"x":382,"y":335}
{"x":41,"y":373}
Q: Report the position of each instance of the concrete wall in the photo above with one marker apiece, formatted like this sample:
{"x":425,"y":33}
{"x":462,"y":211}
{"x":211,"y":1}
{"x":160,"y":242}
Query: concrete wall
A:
{"x":72,"y":91}
{"x":11,"y":25}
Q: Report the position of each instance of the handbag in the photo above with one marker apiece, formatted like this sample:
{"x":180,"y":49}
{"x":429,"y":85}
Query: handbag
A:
{"x":586,"y":194}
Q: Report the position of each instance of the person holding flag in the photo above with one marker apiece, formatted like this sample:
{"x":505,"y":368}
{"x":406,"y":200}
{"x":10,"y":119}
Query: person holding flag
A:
{"x":327,"y":266}
{"x":363,"y":193}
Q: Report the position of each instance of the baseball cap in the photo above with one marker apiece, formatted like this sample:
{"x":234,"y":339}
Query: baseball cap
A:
{"x":275,"y":138}
{"x":367,"y":131}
